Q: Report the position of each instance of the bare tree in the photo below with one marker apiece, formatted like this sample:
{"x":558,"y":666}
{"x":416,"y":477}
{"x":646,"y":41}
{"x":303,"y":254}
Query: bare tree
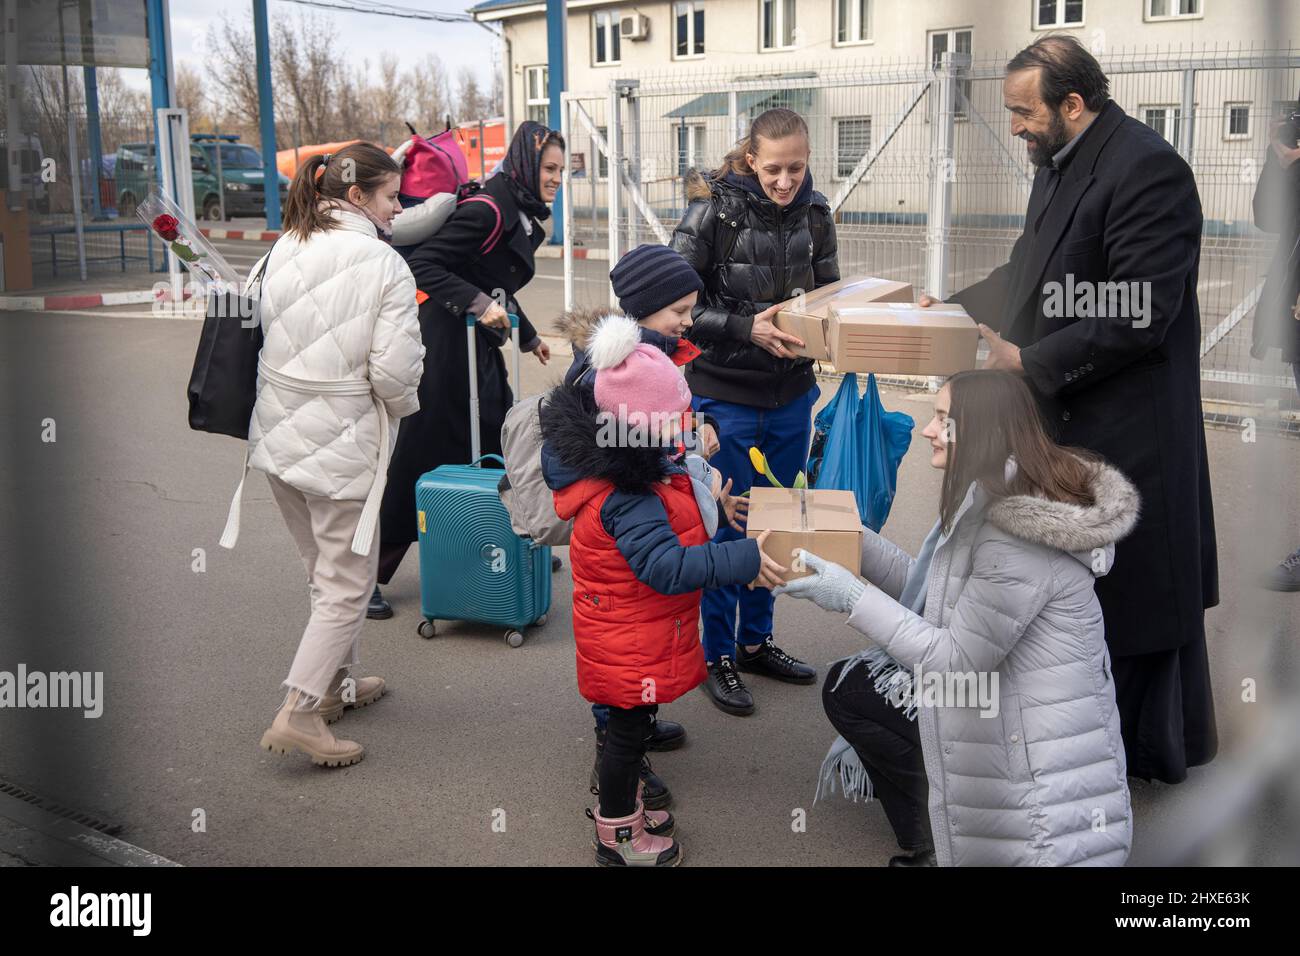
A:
{"x":191,"y":96}
{"x":469,"y":99}
{"x":427,"y":87}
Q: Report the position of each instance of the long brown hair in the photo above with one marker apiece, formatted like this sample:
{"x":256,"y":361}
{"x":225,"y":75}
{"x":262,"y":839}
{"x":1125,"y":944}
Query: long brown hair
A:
{"x":995,"y":417}
{"x":775,"y":123}
{"x":363,"y":165}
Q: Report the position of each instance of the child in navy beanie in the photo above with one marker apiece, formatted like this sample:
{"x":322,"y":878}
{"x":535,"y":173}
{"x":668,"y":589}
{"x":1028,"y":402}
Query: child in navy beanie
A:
{"x":652,"y":277}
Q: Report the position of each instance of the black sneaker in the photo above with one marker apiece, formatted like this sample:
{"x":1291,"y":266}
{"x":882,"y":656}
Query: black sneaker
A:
{"x":665,"y":735}
{"x":378,"y":609}
{"x":654,"y":792}
{"x":770,"y":661}
{"x":919,"y":858}
{"x":727,"y":690}
{"x":1286,"y":576}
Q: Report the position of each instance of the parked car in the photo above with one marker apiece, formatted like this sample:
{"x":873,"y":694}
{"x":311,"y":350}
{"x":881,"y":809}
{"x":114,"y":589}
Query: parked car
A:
{"x":136,"y":172}
{"x":242,"y":173}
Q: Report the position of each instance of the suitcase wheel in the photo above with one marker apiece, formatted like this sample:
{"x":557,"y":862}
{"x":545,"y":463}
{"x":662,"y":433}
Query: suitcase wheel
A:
{"x":426,"y":629}
{"x":514,"y":638}
{"x":540,"y":621}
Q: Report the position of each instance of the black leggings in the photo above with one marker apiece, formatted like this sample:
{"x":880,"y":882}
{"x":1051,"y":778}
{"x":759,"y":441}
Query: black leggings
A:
{"x":620,"y":762}
{"x":889,"y":746}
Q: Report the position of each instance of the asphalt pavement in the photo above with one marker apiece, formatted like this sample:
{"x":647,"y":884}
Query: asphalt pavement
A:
{"x":480,"y":752}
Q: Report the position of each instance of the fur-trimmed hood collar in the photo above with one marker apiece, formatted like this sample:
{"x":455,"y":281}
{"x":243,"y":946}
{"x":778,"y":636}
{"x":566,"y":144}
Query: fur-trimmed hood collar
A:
{"x":576,"y":325}
{"x":571,"y":451}
{"x":1078,"y":529}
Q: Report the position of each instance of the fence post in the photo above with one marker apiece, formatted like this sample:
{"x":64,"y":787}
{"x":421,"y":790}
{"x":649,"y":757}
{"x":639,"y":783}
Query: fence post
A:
{"x":629,"y":90}
{"x":1186,"y":138}
{"x":615,"y":179}
{"x":566,"y":196}
{"x":938,"y":219}
{"x":733,"y":117}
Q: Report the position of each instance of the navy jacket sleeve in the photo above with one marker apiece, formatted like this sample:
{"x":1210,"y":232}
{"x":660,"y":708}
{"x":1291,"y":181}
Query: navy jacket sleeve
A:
{"x":639,"y":526}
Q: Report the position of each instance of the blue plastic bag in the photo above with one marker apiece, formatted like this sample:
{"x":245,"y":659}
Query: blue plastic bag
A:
{"x":857,"y":446}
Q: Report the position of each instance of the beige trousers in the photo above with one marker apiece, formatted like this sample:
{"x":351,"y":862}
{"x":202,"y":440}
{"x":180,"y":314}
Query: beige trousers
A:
{"x":340,"y":583}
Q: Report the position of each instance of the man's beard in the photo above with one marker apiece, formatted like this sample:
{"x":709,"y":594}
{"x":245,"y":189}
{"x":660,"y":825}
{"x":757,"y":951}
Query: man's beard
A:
{"x":1047,"y":146}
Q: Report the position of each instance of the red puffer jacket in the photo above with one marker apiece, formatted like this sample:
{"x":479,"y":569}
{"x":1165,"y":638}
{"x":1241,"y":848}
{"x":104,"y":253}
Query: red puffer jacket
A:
{"x":640,"y":558}
{"x":635,"y":646}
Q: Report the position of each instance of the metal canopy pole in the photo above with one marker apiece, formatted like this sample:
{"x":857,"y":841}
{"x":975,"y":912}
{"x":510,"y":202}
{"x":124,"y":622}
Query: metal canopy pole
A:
{"x":556,"y":58}
{"x":266,"y":115}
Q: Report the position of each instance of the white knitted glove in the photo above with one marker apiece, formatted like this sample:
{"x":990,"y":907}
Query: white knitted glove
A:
{"x":830,"y":586}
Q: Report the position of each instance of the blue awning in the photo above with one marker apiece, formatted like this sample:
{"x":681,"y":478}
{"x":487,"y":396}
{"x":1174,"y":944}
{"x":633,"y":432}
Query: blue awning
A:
{"x":750,"y":101}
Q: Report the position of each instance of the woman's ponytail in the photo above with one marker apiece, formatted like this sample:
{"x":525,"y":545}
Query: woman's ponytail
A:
{"x":302,"y":214}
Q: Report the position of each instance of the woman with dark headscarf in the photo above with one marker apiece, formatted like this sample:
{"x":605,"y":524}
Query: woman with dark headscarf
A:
{"x":474,"y":264}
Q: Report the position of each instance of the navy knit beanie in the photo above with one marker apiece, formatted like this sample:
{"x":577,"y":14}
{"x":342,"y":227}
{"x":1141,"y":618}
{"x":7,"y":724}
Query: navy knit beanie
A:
{"x":651,"y":277}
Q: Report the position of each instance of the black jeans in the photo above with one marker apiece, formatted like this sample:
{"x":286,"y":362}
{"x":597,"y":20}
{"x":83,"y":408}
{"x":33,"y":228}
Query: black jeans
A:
{"x":889,"y":746}
{"x":620,"y":762}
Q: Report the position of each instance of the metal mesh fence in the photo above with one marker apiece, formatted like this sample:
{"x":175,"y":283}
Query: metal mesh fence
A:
{"x":884,"y":137}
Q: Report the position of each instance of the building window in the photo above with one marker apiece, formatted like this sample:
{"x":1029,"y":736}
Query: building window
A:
{"x":1165,"y":120}
{"x":852,"y":142}
{"x":1236,"y":121}
{"x":953,"y":41}
{"x":1057,"y":13}
{"x":688,"y":29}
{"x":1172,"y":9}
{"x":690,"y":147}
{"x":852,"y":22}
{"x":776,"y":24}
{"x":537,"y":102}
{"x":602,"y":160}
{"x":608,"y":42}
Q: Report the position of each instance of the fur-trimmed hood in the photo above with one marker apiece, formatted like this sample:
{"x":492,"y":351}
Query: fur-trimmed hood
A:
{"x":576,"y":325}
{"x":572,"y":451}
{"x":1078,"y":529}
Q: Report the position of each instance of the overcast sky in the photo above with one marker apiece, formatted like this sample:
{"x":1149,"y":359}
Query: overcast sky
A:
{"x":360,"y":36}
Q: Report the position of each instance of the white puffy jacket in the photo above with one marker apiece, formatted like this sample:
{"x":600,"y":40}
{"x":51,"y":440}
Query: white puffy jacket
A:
{"x":1010,"y":590}
{"x":338,"y":311}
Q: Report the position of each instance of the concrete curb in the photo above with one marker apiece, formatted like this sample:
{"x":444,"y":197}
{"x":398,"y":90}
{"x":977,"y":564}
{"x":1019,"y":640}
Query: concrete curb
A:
{"x":557,"y":252}
{"x":62,"y":303}
{"x":247,"y":234}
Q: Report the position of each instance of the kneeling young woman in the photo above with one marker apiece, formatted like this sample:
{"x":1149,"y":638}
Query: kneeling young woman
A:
{"x":1028,"y":768}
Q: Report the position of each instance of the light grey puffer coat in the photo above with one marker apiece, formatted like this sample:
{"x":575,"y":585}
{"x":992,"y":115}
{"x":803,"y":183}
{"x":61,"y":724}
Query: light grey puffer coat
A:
{"x":1010,"y":590}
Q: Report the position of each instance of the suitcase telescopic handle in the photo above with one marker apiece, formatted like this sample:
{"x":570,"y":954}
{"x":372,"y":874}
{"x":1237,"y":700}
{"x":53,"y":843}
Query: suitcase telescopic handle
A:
{"x":475,"y":438}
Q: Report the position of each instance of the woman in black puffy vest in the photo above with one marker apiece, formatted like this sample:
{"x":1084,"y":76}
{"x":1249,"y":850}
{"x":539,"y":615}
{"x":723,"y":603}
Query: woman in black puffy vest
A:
{"x":757,"y":233}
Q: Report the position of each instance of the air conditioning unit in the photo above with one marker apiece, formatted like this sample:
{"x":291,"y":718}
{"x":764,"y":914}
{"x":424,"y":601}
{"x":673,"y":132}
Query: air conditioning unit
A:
{"x":634,"y":27}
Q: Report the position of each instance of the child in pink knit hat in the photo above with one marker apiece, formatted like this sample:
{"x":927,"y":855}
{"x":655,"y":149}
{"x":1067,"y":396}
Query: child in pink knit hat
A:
{"x":640,"y":555}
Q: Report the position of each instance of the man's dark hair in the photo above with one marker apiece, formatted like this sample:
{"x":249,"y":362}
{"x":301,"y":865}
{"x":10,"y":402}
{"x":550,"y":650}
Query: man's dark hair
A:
{"x":1066,"y":68}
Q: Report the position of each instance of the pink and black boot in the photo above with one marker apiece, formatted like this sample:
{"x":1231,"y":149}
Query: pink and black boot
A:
{"x":625,"y":841}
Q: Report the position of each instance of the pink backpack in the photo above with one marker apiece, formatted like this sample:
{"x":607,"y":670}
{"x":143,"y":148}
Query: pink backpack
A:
{"x":431,"y":166}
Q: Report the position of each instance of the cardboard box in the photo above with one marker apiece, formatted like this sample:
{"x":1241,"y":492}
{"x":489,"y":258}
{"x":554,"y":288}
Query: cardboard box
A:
{"x":822,"y":521}
{"x":806,"y":316}
{"x":902,"y":339}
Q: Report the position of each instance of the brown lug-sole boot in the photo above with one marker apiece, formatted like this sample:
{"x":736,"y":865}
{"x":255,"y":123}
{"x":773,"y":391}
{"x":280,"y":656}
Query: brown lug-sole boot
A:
{"x":368,"y":690}
{"x":305,"y":731}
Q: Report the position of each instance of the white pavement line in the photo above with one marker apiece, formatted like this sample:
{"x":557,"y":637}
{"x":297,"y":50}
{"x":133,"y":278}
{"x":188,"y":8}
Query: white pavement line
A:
{"x":128,"y":298}
{"x":192,"y":315}
{"x":110,"y":849}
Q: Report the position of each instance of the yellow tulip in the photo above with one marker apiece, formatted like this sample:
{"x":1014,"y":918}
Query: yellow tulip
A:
{"x":758,"y":461}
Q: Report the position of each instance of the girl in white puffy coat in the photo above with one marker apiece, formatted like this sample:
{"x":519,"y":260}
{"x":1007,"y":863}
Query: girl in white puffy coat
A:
{"x":340,"y":365}
{"x":982,"y":712}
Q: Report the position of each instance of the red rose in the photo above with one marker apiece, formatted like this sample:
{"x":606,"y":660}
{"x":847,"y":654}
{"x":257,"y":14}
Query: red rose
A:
{"x":165,"y":226}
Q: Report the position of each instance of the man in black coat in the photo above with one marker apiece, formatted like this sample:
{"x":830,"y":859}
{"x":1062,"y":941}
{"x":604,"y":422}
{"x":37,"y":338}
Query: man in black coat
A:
{"x":1097,"y":309}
